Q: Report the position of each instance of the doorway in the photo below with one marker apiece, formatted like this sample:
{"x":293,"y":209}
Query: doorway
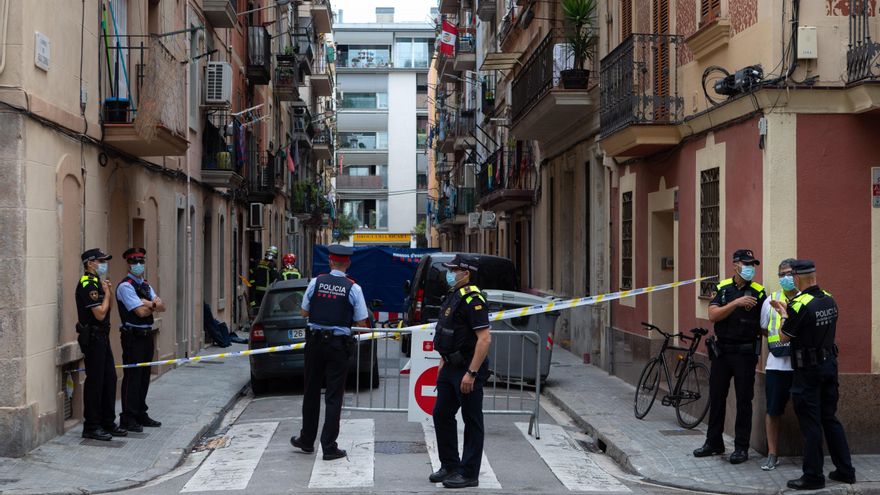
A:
{"x":180,"y":295}
{"x":662,"y":268}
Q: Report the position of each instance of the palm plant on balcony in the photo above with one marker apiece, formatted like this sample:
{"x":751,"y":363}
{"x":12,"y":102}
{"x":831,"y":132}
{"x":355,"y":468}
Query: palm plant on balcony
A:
{"x":580,"y":19}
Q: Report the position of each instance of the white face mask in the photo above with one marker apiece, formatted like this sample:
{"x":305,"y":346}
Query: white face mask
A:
{"x":101,"y":270}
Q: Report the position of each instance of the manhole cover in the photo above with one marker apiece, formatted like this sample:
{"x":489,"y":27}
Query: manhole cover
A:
{"x":682,"y":432}
{"x":400,"y":448}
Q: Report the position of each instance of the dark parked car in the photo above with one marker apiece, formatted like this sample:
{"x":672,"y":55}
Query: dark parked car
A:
{"x":278,"y":322}
{"x":426,"y":291}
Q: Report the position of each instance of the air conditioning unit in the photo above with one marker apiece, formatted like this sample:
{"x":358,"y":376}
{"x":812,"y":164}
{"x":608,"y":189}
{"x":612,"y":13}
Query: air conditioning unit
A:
{"x":488,"y":220}
{"x":292,"y":226}
{"x":218,"y":84}
{"x":474,"y":220}
{"x":255,"y":216}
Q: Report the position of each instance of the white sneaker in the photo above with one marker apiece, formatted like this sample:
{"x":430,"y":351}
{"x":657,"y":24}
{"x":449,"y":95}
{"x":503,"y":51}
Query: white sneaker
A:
{"x":771,"y":463}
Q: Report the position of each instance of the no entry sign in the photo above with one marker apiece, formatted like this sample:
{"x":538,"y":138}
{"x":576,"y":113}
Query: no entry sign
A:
{"x":423,"y":377}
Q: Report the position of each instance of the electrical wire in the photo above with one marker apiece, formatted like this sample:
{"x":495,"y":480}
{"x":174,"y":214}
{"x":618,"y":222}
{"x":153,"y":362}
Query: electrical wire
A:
{"x":710,"y":70}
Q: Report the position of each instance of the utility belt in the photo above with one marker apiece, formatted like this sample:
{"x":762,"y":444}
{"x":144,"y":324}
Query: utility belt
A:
{"x":136,"y":331}
{"x":718,"y":348}
{"x":457,"y":359}
{"x":811,"y":357}
{"x":88,"y":330}
{"x":326,"y":335}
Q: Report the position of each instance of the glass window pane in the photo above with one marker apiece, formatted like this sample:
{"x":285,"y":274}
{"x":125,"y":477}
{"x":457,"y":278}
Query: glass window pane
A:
{"x":382,"y":100}
{"x":382,"y":209}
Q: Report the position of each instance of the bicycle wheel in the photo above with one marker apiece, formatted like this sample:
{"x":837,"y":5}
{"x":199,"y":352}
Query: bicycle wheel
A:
{"x":692,"y":399}
{"x":646,"y":390}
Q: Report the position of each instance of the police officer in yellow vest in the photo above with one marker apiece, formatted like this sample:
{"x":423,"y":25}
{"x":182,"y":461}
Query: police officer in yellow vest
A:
{"x":811,"y":325}
{"x":778,"y":372}
{"x":736,"y":311}
{"x":94,"y":297}
{"x":462,"y":338}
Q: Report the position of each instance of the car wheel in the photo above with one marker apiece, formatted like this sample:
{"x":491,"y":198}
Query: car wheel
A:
{"x":259,"y":386}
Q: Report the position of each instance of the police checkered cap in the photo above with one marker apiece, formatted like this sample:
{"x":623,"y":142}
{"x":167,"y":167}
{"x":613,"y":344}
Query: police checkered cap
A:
{"x":801,"y":267}
{"x":464,"y":262}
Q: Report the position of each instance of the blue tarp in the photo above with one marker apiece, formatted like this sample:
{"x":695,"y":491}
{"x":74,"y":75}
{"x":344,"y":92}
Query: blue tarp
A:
{"x":380,"y":271}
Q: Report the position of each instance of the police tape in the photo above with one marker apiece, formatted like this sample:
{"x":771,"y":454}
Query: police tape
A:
{"x":378,"y":333}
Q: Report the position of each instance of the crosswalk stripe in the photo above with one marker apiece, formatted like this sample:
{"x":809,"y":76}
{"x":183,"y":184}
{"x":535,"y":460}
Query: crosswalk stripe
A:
{"x":573,"y":466}
{"x":487,"y":475}
{"x":231,"y":468}
{"x":357,"y":437}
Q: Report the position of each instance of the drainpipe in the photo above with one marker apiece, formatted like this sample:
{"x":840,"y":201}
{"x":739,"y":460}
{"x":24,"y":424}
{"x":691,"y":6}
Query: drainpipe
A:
{"x":5,"y":23}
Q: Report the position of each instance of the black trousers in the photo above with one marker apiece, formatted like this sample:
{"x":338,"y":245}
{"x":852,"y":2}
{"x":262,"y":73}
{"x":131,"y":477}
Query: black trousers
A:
{"x":326,"y":357}
{"x":449,"y":400}
{"x":741,"y":367}
{"x":135,"y":381}
{"x":99,"y":392}
{"x":814,"y":392}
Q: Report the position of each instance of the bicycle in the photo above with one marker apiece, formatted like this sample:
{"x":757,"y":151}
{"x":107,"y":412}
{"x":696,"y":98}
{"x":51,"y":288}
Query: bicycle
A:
{"x":690,"y":392}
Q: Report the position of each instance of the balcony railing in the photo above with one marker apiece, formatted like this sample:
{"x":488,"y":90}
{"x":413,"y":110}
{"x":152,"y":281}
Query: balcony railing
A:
{"x":540,"y":73}
{"x":304,"y":47}
{"x":507,"y":23}
{"x":371,"y":182}
{"x":262,"y":170}
{"x":259,"y":55}
{"x":488,"y":95}
{"x":862,"y":51}
{"x":307,"y":201}
{"x":466,"y":41}
{"x":505,"y":182}
{"x":459,"y":205}
{"x":639,"y":83}
{"x":286,"y":83}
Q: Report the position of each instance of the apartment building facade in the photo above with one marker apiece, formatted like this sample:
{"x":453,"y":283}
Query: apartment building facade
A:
{"x":382,"y":126}
{"x":173,"y":126}
{"x":705,"y":126}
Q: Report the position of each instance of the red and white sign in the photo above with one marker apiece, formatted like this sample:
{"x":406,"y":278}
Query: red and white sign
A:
{"x":424,"y":365}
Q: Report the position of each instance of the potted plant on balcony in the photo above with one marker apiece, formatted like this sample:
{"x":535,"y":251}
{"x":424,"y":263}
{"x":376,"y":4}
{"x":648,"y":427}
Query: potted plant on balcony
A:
{"x":580,"y":16}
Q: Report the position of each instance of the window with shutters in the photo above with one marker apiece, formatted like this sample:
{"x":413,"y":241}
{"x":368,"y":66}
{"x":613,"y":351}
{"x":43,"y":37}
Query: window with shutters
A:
{"x":710,"y":229}
{"x":662,"y":58}
{"x":626,"y":244}
{"x":626,"y":19}
{"x":709,"y":11}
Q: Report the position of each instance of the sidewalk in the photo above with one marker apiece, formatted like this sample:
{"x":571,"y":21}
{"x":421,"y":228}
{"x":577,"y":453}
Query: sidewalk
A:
{"x":659,"y":450}
{"x":189,"y":401}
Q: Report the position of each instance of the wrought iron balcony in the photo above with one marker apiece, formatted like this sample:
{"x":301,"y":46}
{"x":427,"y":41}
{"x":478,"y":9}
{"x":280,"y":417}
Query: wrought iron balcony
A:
{"x":540,"y":106}
{"x":304,"y":47}
{"x":454,"y":211}
{"x":465,"y":50}
{"x":504,"y":183}
{"x":639,"y":89}
{"x":323,"y":144}
{"x":320,"y":13}
{"x":143,"y":106}
{"x":262,"y":171}
{"x":259,"y":44}
{"x":220,"y":13}
{"x":488,"y":95}
{"x":286,"y":83}
{"x":862,"y":51}
{"x":507,"y":24}
{"x":219,"y":166}
{"x":322,"y":77}
{"x":301,"y":128}
{"x":307,"y":202}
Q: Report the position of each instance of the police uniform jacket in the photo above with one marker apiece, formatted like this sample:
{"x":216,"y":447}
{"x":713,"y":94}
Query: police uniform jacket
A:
{"x":462,"y":313}
{"x":742,"y":326}
{"x":812,"y":320}
{"x":90,"y":294}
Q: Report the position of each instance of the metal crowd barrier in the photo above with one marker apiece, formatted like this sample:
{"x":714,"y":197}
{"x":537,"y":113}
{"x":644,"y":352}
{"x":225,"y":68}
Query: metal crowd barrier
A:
{"x":512,"y":388}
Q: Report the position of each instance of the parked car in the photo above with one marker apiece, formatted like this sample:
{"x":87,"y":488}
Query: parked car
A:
{"x":279,"y":322}
{"x":426,"y":291}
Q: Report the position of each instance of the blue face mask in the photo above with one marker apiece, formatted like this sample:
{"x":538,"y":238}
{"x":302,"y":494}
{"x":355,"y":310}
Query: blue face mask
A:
{"x":138,"y":270}
{"x":101,"y":270}
{"x":747,"y":272}
{"x":787,"y":283}
{"x":450,"y":278}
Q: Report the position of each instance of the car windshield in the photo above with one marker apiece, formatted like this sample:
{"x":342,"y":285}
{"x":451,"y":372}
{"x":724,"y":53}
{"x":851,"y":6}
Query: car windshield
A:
{"x":283,"y":303}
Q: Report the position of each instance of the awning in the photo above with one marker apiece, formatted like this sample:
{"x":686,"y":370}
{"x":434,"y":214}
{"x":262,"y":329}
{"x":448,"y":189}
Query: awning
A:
{"x":500,"y":61}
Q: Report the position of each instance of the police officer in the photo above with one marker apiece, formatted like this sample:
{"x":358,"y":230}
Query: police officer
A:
{"x":736,"y":312}
{"x":288,"y":267}
{"x":462,"y":338}
{"x":94,"y":296}
{"x":810,"y":325}
{"x":262,"y":276}
{"x":138,"y":303}
{"x":778,"y":374}
{"x":332,"y":302}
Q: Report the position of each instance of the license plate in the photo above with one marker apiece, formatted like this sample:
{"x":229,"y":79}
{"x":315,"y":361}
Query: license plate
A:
{"x":296,"y":334}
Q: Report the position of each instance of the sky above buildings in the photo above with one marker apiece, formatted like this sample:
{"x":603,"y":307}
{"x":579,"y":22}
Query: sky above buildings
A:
{"x":357,"y":11}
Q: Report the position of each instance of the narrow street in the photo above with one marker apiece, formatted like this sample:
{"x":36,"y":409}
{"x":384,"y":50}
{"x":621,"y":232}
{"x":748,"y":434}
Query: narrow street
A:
{"x":387,"y":454}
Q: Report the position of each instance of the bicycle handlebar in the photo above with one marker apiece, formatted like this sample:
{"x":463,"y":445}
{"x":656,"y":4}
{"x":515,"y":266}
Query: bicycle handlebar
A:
{"x":696,"y":332}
